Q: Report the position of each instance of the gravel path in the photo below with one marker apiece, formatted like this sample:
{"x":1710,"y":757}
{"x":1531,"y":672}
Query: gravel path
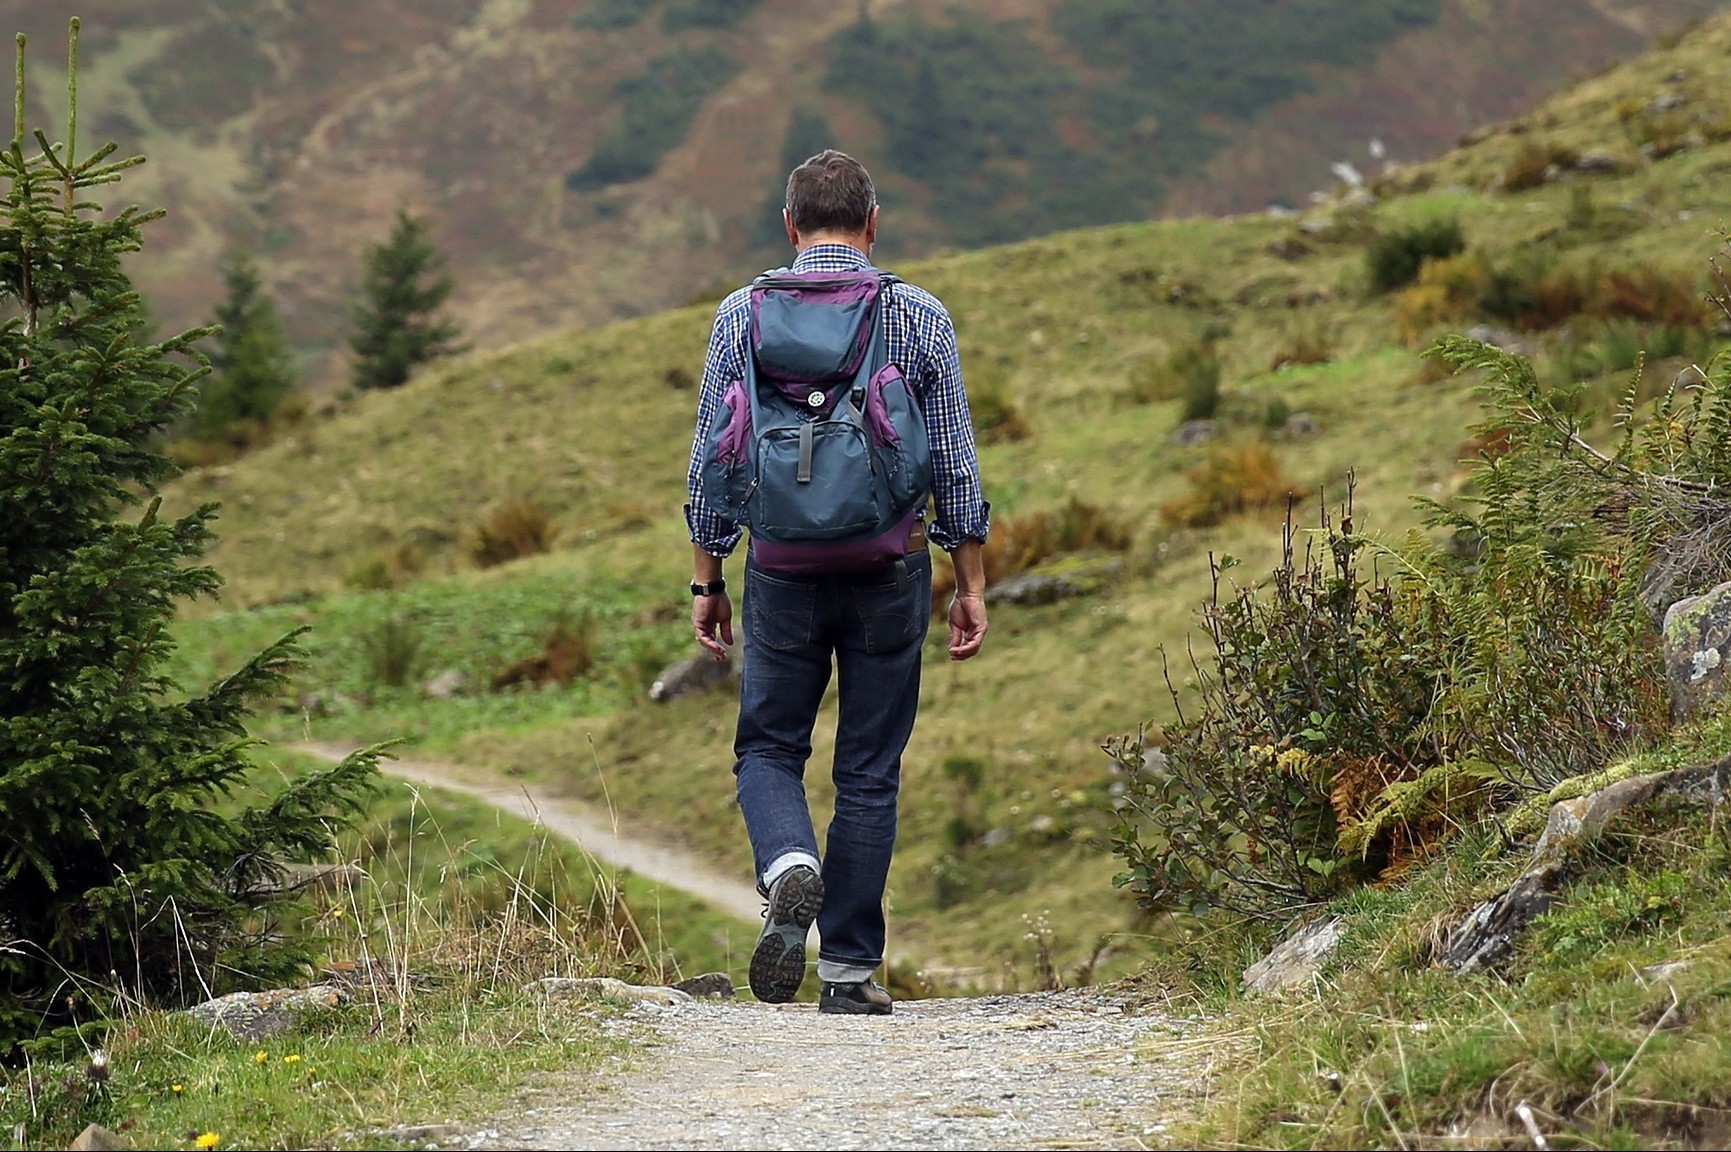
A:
{"x":1070,"y":1069}
{"x":1073,"y":1069}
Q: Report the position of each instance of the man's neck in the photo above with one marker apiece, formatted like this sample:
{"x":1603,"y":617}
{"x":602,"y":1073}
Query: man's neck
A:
{"x":857,"y":241}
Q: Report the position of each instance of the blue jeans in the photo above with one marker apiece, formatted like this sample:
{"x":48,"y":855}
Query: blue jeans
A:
{"x":871,"y":631}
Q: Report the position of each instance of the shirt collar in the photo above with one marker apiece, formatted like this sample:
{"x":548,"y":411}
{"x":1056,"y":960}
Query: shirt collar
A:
{"x":830,"y":258}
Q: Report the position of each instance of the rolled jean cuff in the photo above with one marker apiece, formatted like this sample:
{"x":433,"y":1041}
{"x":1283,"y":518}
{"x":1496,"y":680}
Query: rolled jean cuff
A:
{"x":834,"y":972}
{"x":787,"y":860}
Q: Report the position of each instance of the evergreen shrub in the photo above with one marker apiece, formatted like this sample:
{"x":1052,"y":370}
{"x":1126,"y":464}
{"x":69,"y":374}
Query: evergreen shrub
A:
{"x":1395,"y":258}
{"x":131,"y":867}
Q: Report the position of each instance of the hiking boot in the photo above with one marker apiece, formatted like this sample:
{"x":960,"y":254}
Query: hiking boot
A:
{"x":865,"y":998}
{"x":778,"y":962}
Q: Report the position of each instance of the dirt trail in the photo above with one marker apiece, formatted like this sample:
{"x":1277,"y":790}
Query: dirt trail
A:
{"x":1075,"y":1069}
{"x":1059,"y":1070}
{"x":597,"y":832}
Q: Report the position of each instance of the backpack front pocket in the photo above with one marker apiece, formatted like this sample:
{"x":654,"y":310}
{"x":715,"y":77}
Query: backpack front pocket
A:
{"x":815,"y":482}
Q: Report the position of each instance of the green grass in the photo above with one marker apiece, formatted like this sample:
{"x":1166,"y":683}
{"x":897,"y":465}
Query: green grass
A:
{"x":344,"y":1079}
{"x":1607,"y":1048}
{"x":465,"y":907}
{"x":446,"y":861}
{"x":476,"y":628}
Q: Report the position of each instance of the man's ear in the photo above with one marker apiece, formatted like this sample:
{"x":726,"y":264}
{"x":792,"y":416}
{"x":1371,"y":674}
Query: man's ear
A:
{"x":871,"y":232}
{"x":792,"y":232}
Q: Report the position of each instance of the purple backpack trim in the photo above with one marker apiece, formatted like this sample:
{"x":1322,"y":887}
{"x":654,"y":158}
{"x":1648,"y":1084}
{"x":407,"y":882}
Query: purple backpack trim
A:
{"x":854,"y":556}
{"x":877,"y":411}
{"x":846,"y":299}
{"x":738,"y":432}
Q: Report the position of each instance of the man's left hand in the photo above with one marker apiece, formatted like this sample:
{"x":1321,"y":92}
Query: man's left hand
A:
{"x":712,"y":616}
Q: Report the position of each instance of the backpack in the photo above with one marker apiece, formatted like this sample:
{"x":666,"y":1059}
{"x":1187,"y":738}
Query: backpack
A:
{"x":820,"y":451}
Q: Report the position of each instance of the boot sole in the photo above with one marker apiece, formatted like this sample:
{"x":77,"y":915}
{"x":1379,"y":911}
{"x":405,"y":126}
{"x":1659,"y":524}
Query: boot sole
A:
{"x":778,"y":961}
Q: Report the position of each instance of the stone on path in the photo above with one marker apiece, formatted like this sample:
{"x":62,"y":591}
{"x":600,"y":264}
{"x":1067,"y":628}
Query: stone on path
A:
{"x":614,"y":989}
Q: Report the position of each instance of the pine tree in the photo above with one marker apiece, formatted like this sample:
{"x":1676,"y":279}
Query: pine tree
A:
{"x":253,"y":367}
{"x":128,"y":863}
{"x":404,"y":286}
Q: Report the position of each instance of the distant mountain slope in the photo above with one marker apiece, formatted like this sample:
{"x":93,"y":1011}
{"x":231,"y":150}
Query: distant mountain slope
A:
{"x":584,"y":160}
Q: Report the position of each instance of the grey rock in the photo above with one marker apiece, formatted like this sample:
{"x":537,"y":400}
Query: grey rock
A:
{"x":422,"y":1133}
{"x":1697,"y":632}
{"x":1194,"y":432}
{"x":607,"y":986}
{"x":96,"y":1138}
{"x":259,"y":1015}
{"x":1598,"y":162}
{"x":446,"y":684}
{"x":1295,"y":961}
{"x":1487,"y":936}
{"x":1661,"y":973}
{"x":1154,"y":764}
{"x":1501,"y":338}
{"x":710,"y":985}
{"x":1061,"y":580}
{"x":1573,"y":823}
{"x":699,"y":672}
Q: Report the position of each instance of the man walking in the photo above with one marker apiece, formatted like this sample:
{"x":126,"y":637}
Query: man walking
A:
{"x":866,"y":624}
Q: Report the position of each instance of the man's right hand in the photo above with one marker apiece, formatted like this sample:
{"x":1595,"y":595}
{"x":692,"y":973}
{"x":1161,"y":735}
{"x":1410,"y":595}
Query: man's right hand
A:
{"x":967,"y":625}
{"x":968,"y":609}
{"x":712,"y":617}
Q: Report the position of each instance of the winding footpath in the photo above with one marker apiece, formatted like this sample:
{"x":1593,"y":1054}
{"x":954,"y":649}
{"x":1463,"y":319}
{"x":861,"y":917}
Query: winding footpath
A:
{"x":1072,"y":1069}
{"x":596,"y":832}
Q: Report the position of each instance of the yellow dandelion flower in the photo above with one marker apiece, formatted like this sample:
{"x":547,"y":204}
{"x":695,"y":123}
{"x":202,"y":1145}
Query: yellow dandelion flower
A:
{"x":208,"y":1140}
{"x":291,"y":1058}
{"x":177,"y":1089}
{"x":259,"y":1057}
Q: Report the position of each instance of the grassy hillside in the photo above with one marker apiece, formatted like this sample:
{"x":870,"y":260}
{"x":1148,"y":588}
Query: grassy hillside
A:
{"x":361,"y":524}
{"x":1606,"y":1025}
{"x":584,"y":160}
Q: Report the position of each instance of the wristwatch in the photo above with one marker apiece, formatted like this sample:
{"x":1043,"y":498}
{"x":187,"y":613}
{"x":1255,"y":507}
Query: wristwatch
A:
{"x":714,"y":587}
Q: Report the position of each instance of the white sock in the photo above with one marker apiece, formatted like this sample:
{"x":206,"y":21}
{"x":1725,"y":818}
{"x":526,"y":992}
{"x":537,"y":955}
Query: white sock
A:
{"x":832,"y":973}
{"x":781,"y":864}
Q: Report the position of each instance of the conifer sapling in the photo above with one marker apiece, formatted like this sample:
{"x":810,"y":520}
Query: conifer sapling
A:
{"x":129,"y":862}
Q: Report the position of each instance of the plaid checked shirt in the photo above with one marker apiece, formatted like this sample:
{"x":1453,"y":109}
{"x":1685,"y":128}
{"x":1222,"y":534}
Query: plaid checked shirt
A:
{"x":922,"y":343}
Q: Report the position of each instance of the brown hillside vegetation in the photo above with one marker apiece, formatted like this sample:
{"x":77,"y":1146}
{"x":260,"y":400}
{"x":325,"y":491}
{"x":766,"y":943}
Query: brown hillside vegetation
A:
{"x":298,"y":129}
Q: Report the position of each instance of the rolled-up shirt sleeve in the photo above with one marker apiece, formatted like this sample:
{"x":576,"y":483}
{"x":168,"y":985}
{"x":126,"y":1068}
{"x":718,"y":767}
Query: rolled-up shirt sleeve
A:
{"x":962,"y":513}
{"x":711,"y":531}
